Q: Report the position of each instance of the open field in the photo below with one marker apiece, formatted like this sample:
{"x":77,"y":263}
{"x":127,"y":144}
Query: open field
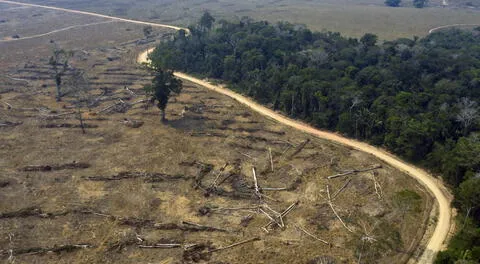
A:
{"x":115,"y":189}
{"x":350,"y":17}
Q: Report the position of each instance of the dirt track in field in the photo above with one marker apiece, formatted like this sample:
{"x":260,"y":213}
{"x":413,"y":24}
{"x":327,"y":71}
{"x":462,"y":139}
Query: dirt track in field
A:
{"x":440,"y":193}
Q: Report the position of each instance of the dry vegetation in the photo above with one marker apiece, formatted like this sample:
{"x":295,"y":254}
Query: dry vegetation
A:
{"x":181,"y":192}
{"x":350,"y":17}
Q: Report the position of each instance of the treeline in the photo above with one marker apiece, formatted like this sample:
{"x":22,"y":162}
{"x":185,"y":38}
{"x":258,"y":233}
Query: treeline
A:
{"x":416,"y":97}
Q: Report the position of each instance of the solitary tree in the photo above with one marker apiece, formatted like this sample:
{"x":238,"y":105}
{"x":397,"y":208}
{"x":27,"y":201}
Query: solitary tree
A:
{"x":59,"y":63}
{"x":147,"y":31}
{"x":78,"y":87}
{"x":369,"y":40}
{"x":419,"y":3}
{"x":393,"y":3}
{"x":163,"y":84}
{"x":206,"y":21}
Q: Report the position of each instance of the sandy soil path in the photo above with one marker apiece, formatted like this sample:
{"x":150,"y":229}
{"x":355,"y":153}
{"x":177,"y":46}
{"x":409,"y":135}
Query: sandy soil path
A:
{"x":56,"y":31}
{"x":436,"y":242}
{"x":452,"y":25}
{"x":443,"y":198}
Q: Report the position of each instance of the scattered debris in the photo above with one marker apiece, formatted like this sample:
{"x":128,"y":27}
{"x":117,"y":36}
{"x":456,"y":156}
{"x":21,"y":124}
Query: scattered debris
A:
{"x":282,"y":215}
{"x":132,"y":123}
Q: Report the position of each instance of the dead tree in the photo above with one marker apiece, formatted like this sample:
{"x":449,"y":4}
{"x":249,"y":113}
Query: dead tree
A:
{"x":468,"y":113}
{"x":79,"y":88}
{"x":59,"y":63}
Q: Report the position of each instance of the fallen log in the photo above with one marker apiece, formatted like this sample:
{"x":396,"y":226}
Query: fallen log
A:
{"x":40,"y":250}
{"x":54,"y":167}
{"x":378,"y":166}
{"x":30,"y":211}
{"x":341,"y":189}
{"x":148,"y":177}
{"x":299,"y":148}
{"x":9,"y":124}
{"x":161,"y":246}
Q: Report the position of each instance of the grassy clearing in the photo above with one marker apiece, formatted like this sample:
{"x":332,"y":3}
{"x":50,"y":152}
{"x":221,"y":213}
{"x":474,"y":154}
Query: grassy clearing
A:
{"x":351,"y":18}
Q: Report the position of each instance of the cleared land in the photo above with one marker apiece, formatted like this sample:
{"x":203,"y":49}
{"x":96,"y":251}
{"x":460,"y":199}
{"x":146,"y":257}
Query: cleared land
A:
{"x":110,"y":193}
{"x":350,"y":17}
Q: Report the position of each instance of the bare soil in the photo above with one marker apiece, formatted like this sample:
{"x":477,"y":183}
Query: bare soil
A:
{"x":110,"y":195}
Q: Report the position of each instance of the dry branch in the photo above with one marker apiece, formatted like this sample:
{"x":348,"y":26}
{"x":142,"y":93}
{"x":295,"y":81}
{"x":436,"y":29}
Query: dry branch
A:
{"x":161,"y":246}
{"x":282,"y":215}
{"x":378,"y":187}
{"x":311,"y":235}
{"x":235,"y":244}
{"x":110,"y":106}
{"x":335,"y":212}
{"x":9,"y":106}
{"x":274,"y":189}
{"x":271,"y":158}
{"x":257,"y":191}
{"x":378,"y":166}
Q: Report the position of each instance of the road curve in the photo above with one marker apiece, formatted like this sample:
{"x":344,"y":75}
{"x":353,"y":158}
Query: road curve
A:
{"x":442,"y":228}
{"x":452,"y":25}
{"x":93,"y":14}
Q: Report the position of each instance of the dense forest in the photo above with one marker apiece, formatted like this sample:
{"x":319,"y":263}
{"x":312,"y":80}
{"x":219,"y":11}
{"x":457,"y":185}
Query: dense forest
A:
{"x":416,"y":97}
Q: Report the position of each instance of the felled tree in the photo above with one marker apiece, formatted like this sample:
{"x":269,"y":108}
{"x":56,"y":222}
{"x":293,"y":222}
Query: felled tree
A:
{"x":163,"y":85}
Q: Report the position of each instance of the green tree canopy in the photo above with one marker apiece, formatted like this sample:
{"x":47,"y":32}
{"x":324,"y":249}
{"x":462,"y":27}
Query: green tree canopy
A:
{"x":163,"y":85}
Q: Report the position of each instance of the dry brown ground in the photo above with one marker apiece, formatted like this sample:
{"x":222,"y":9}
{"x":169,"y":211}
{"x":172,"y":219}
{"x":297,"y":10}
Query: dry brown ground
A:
{"x":164,"y":183}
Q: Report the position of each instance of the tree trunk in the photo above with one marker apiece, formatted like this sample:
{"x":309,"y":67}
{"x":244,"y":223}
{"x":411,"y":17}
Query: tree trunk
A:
{"x":162,"y":115}
{"x":59,"y":95}
{"x":81,"y":121}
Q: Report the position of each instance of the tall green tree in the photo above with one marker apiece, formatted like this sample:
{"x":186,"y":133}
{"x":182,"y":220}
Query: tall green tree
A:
{"x":164,"y":83}
{"x":419,"y":3}
{"x":206,"y":21}
{"x":393,"y":3}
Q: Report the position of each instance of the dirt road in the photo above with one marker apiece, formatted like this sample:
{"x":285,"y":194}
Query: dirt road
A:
{"x":92,"y":14}
{"x":440,"y":193}
{"x":436,"y":188}
{"x":56,"y":31}
{"x":452,"y":25}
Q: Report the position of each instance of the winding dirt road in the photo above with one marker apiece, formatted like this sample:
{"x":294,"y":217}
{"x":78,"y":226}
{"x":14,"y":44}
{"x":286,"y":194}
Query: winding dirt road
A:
{"x":443,"y":198}
{"x":452,"y":25}
{"x":440,"y":193}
